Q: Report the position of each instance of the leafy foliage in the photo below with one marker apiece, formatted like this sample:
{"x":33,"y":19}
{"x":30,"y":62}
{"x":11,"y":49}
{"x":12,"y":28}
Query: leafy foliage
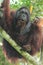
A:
{"x":36,"y":4}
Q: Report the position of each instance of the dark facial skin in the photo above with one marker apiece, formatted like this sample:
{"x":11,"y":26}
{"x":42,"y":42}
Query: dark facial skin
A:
{"x":22,"y":17}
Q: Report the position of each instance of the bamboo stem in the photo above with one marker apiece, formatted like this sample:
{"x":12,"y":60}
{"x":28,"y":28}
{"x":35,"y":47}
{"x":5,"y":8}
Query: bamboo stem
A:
{"x":27,"y":56}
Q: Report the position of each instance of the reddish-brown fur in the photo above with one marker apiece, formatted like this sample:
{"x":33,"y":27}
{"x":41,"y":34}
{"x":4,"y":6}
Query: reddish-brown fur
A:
{"x":32,"y":39}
